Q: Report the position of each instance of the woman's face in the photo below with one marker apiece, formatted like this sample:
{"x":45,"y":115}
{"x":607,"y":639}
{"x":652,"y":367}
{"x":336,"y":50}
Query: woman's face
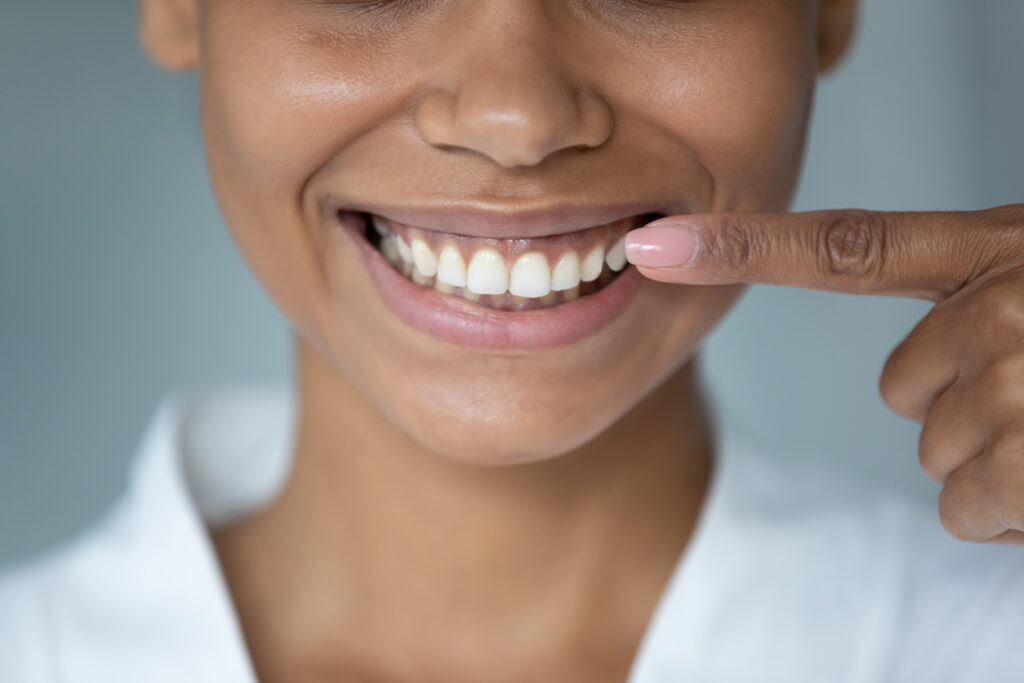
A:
{"x":524,"y":135}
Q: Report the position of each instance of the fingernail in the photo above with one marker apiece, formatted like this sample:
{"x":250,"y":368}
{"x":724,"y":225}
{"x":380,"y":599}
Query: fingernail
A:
{"x":661,"y":246}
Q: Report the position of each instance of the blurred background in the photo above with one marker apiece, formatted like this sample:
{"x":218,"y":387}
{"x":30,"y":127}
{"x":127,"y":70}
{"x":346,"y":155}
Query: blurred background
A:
{"x":118,"y":282}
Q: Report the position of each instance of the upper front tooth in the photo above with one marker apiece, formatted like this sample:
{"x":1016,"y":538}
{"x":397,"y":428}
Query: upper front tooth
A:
{"x":593,"y":264}
{"x":404,"y":250}
{"x":451,"y":269}
{"x":531,"y":276}
{"x":616,"y":258}
{"x":487,"y":273}
{"x":566,"y":273}
{"x":423,"y":257}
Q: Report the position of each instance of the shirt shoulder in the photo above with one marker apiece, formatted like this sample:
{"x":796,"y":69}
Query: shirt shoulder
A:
{"x":870,"y":569}
{"x":37,"y":600}
{"x":25,"y":649}
{"x":137,"y":596}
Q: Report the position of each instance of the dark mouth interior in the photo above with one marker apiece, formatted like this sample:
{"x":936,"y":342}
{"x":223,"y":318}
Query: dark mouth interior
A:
{"x":368,"y":232}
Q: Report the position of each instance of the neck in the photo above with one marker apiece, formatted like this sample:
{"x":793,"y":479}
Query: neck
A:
{"x":395,"y":547}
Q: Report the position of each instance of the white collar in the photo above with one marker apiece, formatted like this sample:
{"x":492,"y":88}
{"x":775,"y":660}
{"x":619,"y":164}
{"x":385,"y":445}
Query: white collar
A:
{"x":142,"y":597}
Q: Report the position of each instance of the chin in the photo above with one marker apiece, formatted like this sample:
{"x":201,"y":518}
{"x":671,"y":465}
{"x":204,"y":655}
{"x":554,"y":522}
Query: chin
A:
{"x":498,"y":432}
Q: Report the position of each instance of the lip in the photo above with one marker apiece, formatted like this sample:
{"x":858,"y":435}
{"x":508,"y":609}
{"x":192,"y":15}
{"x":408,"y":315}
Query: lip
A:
{"x":464,"y":324}
{"x":487,"y":220}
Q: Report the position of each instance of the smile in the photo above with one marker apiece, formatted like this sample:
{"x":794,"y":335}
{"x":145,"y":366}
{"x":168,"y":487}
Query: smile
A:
{"x":499,"y":282}
{"x":518,"y":274}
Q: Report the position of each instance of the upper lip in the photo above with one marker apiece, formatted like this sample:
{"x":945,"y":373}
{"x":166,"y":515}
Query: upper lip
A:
{"x":506,"y":222}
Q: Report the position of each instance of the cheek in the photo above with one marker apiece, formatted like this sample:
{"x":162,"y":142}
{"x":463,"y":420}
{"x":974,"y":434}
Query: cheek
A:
{"x":275,"y":107}
{"x":739,"y":99}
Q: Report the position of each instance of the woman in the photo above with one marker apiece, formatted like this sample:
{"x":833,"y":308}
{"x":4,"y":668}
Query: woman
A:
{"x":497,"y":464}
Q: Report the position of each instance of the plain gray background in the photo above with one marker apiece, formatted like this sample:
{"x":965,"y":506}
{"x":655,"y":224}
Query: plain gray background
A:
{"x":118,"y":282}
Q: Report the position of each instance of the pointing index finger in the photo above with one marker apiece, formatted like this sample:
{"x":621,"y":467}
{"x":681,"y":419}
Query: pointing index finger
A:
{"x":926,"y":255}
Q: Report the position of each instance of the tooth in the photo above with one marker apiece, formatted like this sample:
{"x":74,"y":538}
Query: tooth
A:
{"x":487,"y":273}
{"x":593,"y":264}
{"x":566,"y":273}
{"x":616,"y":258}
{"x":421,"y":279}
{"x":531,"y":276}
{"x":443,"y":287}
{"x":423,"y":257}
{"x":404,"y":250}
{"x":380,"y":225}
{"x":389,"y":248}
{"x":571,"y":294}
{"x":451,"y":269}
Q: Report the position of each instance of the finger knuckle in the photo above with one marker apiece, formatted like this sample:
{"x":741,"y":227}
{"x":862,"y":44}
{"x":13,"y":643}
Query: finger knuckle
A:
{"x":893,"y":385}
{"x":1005,"y":488}
{"x":1011,"y":214}
{"x":953,"y":515}
{"x":928,"y":457}
{"x":932,"y":450}
{"x":1007,"y":459}
{"x":1003,"y":383}
{"x":853,"y":243}
{"x":733,"y":243}
{"x":999,"y":310}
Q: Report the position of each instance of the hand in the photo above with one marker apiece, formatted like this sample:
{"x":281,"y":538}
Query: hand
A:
{"x":960,"y":372}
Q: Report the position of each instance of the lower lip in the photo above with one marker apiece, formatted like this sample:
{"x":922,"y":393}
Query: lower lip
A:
{"x":462,"y":323}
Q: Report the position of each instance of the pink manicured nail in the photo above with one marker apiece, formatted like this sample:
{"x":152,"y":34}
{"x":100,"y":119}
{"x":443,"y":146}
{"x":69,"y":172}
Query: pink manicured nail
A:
{"x":660,"y":246}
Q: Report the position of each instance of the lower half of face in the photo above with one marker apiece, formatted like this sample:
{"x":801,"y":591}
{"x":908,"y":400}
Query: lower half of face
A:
{"x":436,"y":194}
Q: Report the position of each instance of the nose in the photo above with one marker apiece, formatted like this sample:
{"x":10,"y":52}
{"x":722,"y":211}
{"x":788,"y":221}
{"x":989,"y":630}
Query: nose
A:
{"x":512,"y":100}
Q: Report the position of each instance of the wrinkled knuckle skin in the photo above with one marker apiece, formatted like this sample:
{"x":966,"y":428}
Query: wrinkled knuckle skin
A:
{"x":733,"y":244}
{"x":853,"y":244}
{"x":1013,"y":214}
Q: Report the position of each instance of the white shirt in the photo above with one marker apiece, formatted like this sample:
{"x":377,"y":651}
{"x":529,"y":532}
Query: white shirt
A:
{"x":790,"y":576}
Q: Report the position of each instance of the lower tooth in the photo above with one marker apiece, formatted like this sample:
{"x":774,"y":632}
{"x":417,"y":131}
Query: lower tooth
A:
{"x":571,"y":294}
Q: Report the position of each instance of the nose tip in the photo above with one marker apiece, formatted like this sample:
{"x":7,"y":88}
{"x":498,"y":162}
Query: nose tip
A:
{"x":514,"y":122}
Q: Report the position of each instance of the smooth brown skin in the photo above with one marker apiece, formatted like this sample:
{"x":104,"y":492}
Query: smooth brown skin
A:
{"x":960,"y":372}
{"x":458,"y":515}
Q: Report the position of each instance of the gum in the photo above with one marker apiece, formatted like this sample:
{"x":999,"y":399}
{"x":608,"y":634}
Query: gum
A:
{"x":553,"y":247}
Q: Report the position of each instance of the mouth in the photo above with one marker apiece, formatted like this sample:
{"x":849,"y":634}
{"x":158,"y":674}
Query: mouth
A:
{"x":471,"y":289}
{"x":511,"y":275}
